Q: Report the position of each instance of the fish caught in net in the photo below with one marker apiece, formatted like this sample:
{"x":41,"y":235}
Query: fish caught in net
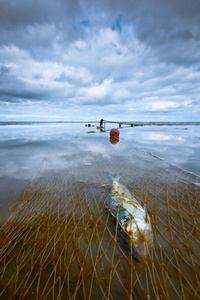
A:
{"x":62,"y":240}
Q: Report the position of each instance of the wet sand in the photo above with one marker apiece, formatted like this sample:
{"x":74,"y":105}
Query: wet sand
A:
{"x":61,"y":240}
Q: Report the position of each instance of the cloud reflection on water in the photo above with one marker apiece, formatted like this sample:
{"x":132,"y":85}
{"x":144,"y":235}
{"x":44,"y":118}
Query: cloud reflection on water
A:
{"x":23,"y":149}
{"x":179,"y":146}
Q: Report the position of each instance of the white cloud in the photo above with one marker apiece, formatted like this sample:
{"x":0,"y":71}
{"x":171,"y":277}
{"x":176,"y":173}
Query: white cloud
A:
{"x":162,"y":105}
{"x":74,"y":59}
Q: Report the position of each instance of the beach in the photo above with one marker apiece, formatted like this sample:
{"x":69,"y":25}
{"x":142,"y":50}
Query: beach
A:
{"x":24,"y":147}
{"x":60,"y":236}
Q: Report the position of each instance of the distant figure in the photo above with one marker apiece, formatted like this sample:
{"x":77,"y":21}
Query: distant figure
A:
{"x":101,"y":122}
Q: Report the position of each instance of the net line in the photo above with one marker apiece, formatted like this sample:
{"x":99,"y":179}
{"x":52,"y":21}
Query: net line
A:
{"x":61,"y":242}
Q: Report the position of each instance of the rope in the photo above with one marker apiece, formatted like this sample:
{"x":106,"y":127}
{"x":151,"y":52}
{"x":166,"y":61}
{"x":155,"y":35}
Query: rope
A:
{"x":61,"y":242}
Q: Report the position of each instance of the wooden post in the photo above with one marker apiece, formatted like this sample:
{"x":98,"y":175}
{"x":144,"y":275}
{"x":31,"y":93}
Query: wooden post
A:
{"x":101,"y":122}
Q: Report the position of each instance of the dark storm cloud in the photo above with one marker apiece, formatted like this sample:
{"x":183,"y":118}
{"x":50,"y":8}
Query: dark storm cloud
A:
{"x":172,"y":29}
{"x":166,"y":26}
{"x":142,"y":56}
{"x":30,"y":23}
{"x":4,"y":70}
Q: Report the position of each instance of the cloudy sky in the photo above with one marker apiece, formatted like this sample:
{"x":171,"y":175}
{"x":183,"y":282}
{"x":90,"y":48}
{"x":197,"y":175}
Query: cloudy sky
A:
{"x":113,"y":59}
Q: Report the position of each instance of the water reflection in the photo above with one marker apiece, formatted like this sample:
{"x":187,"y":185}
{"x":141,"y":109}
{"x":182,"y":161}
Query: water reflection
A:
{"x":178,"y":146}
{"x":23,"y":149}
{"x":114,"y":140}
{"x":163,"y":137}
{"x":69,"y":195}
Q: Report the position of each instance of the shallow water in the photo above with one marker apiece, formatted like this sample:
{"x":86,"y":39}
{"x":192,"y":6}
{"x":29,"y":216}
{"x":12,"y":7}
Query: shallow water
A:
{"x":60,"y":237}
{"x":178,"y":145}
{"x":24,"y":148}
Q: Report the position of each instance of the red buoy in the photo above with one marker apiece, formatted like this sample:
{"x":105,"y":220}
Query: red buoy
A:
{"x":114,"y":140}
{"x":114,"y":132}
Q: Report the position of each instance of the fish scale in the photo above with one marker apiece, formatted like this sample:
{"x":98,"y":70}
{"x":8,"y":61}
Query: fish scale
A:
{"x":132,"y":217}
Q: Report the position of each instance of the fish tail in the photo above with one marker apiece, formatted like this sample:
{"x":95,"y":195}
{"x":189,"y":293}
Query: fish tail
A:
{"x":113,"y":177}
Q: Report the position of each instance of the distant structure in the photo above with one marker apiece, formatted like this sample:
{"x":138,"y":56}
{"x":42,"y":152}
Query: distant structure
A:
{"x":132,"y":124}
{"x":101,"y":122}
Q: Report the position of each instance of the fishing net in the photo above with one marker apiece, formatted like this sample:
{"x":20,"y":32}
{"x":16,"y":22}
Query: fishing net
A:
{"x":61,"y":242}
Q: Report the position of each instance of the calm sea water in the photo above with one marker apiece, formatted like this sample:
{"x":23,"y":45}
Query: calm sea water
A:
{"x":24,"y":147}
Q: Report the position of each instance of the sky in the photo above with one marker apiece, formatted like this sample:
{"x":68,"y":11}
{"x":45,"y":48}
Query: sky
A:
{"x":123,"y":60}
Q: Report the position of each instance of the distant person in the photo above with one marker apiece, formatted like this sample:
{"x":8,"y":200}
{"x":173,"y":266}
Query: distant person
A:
{"x":101,"y":123}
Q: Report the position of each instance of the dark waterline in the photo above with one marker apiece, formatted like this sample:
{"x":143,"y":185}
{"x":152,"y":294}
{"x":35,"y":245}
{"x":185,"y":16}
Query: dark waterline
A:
{"x":5,"y":123}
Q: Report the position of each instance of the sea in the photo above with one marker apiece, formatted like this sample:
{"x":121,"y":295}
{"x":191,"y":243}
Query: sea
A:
{"x":24,"y":147}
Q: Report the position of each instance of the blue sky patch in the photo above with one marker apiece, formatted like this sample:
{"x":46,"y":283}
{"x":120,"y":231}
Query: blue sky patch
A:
{"x":85,"y":22}
{"x":118,"y":24}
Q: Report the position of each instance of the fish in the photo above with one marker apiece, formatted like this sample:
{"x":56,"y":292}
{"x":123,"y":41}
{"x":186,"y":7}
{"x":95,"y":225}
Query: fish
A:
{"x":132,"y":217}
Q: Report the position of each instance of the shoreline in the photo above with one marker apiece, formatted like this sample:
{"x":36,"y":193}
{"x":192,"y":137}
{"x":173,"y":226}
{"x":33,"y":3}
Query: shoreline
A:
{"x":135,"y":123}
